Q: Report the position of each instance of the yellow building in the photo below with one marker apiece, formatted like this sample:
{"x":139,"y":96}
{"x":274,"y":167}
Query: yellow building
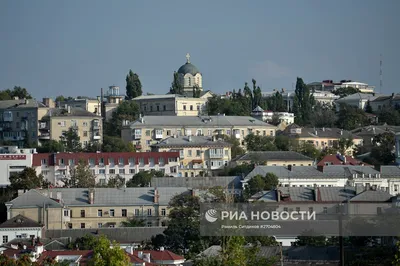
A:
{"x":172,"y":104}
{"x":90,"y":105}
{"x":274,"y":158}
{"x":57,"y":121}
{"x":199,"y":154}
{"x":149,"y":130}
{"x":72,"y":208}
{"x":322,"y":138}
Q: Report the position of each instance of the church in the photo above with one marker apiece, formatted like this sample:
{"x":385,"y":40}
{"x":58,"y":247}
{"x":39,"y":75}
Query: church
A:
{"x":189,"y":79}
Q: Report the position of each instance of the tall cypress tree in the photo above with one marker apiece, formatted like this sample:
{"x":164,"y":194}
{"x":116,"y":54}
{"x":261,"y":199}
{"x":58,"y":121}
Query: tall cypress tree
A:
{"x":133,"y":85}
{"x":176,"y":86}
{"x":303,"y":103}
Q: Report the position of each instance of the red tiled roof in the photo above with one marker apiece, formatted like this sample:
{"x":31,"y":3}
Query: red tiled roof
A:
{"x":136,"y":259}
{"x":159,"y":255}
{"x":334,"y":160}
{"x":53,"y":158}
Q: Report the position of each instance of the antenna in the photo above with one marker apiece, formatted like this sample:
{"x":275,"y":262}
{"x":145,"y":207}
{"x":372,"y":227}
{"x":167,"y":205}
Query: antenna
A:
{"x":380,"y":75}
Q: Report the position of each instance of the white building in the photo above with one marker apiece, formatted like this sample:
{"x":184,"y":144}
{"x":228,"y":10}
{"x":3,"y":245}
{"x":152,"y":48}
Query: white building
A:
{"x":13,"y":160}
{"x":190,"y":76}
{"x":358,"y":100}
{"x":57,"y":166}
{"x":266,"y":116}
{"x":20,"y":227}
{"x":362,"y":87}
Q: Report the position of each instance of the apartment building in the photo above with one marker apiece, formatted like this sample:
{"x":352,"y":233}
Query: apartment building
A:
{"x":18,"y":121}
{"x":57,"y":166}
{"x":322,"y":138}
{"x":200,"y":155}
{"x":330,"y":85}
{"x":387,"y":178}
{"x":149,"y":130}
{"x":72,"y":208}
{"x":357,"y":100}
{"x":274,"y":158}
{"x":266,"y":116}
{"x":20,"y":227}
{"x":12,"y":161}
{"x":171,"y":105}
{"x":56,"y":121}
{"x":91,"y":105}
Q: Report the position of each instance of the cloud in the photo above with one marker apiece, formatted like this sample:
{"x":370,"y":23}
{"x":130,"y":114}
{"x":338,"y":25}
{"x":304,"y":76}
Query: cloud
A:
{"x":269,"y":70}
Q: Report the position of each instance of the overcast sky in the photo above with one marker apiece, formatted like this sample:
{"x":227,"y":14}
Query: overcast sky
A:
{"x":77,"y":47}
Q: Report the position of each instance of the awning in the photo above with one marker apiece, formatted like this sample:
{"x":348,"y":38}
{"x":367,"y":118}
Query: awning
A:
{"x":197,"y":161}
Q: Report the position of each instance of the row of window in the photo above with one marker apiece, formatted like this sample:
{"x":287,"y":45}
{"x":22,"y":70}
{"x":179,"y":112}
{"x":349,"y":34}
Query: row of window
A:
{"x":111,"y":213}
{"x":199,"y":132}
{"x":74,"y":123}
{"x":101,"y":225}
{"x":121,"y":161}
{"x":212,"y":153}
{"x":5,"y":237}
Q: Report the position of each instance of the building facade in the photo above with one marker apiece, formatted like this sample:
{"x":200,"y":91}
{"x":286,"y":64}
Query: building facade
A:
{"x":171,"y":105}
{"x":111,"y":99}
{"x":12,"y":161}
{"x":90,"y":105}
{"x":57,"y":121}
{"x":18,"y":121}
{"x":200,"y":154}
{"x":72,"y":208}
{"x":274,"y":158}
{"x":357,"y":100}
{"x":57,"y":166}
{"x":20,"y":227}
{"x":267,"y":116}
{"x":149,"y":130}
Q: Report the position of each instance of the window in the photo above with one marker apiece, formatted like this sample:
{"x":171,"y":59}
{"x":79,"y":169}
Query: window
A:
{"x":184,"y":107}
{"x":82,"y":225}
{"x":82,"y":213}
{"x":158,"y":108}
{"x":325,"y":210}
{"x":43,"y":161}
{"x":100,"y":213}
{"x":132,"y":171}
{"x":121,"y":171}
{"x":5,"y":239}
{"x":285,"y":209}
{"x":164,"y":108}
{"x":188,"y":132}
{"x":112,"y":212}
{"x":151,"y":108}
{"x":148,"y":212}
{"x":163,"y":212}
{"x":149,"y":224}
{"x":102,"y":171}
{"x":147,"y":133}
{"x":85,"y":134}
{"x":111,"y":171}
{"x":124,"y":213}
{"x":191,"y":108}
{"x":168,"y":132}
{"x":137,"y":212}
{"x":198,"y":153}
{"x":69,"y":225}
{"x":85,"y":124}
{"x":198,"y":107}
{"x":100,"y":225}
{"x":189,"y":153}
{"x":66,"y":213}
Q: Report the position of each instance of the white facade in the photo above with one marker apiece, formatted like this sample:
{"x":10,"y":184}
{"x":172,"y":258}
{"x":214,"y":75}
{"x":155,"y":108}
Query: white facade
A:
{"x":9,"y":234}
{"x":13,"y":160}
{"x":189,"y":80}
{"x":267,"y":116}
{"x":357,"y":100}
{"x":363,"y":87}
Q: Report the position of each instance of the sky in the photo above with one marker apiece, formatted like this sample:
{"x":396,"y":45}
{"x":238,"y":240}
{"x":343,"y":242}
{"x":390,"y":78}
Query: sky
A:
{"x":74,"y":47}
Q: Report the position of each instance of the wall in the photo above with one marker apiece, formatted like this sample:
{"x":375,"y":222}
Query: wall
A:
{"x":278,"y":163}
{"x":9,"y":166}
{"x":12,"y":233}
{"x":52,"y":218}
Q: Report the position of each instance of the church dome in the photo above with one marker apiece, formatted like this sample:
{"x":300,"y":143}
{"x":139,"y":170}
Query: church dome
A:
{"x":188,"y":68}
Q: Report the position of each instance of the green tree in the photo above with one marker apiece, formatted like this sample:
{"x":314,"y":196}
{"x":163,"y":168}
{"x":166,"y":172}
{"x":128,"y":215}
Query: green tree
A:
{"x":18,"y":91}
{"x":368,"y":107}
{"x":106,"y":253}
{"x":176,"y":85}
{"x":322,"y":116}
{"x":127,"y":110}
{"x":343,"y":92}
{"x":51,"y":146}
{"x":383,"y":146}
{"x":81,"y":176}
{"x":302,"y":103}
{"x":344,"y":144}
{"x":261,"y":183}
{"x":259,"y":143}
{"x":275,"y":103}
{"x":257,"y":95}
{"x":350,"y":118}
{"x":307,"y":149}
{"x":133,"y":86}
{"x":236,"y":149}
{"x":86,"y":242}
{"x":71,"y":140}
{"x":158,"y":241}
{"x":116,"y":181}
{"x":133,"y":223}
{"x":143,"y":179}
{"x":309,"y":238}
{"x":389,"y":116}
{"x":27,"y":179}
{"x":196,"y":91}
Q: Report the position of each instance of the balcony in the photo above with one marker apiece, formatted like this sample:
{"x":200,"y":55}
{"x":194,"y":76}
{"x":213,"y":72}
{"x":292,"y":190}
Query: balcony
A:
{"x":218,"y":155}
{"x":158,"y":134}
{"x":137,"y":136}
{"x":44,"y":136}
{"x":96,"y":137}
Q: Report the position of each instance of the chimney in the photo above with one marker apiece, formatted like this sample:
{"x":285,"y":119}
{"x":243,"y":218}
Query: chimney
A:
{"x":289,"y":167}
{"x":161,"y":248}
{"x":69,"y":109}
{"x":316,"y":133}
{"x":140,"y":254}
{"x":367,"y":187}
{"x":344,"y":159}
{"x":91,"y":195}
{"x":24,"y":247}
{"x":323,"y":129}
{"x":156,"y":196}
{"x":129,"y":250}
{"x":39,"y":249}
{"x":190,"y":138}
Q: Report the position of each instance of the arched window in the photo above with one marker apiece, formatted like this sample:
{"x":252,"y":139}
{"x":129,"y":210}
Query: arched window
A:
{"x":189,"y":81}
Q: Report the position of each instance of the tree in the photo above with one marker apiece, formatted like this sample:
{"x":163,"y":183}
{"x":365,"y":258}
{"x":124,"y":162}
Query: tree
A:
{"x":127,"y":110}
{"x":307,"y":149}
{"x":343,"y":92}
{"x":383,"y":146}
{"x":183,"y":232}
{"x":18,"y":91}
{"x":236,"y":149}
{"x":176,"y":85}
{"x":116,"y":181}
{"x":275,"y":103}
{"x":368,"y":107}
{"x":133,"y":86}
{"x":261,"y":183}
{"x":257,"y":95}
{"x":27,"y":179}
{"x":350,"y":118}
{"x":344,"y":144}
{"x":106,"y":253}
{"x":302,"y":103}
{"x":71,"y":140}
{"x":133,"y":223}
{"x":51,"y":146}
{"x":86,"y":242}
{"x":309,"y":238}
{"x":196,"y":91}
{"x":143,"y":179}
{"x":322,"y":116}
{"x":158,"y":241}
{"x":260,"y":143}
{"x":116,"y":144}
{"x":389,"y":116}
{"x":61,"y":98}
{"x":81,"y":176}
{"x":283,"y":143}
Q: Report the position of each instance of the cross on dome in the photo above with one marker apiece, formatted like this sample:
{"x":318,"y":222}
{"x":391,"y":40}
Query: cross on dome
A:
{"x":188,"y":58}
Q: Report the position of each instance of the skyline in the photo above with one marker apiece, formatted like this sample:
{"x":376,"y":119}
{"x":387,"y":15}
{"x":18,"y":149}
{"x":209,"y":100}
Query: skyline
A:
{"x":75,"y":48}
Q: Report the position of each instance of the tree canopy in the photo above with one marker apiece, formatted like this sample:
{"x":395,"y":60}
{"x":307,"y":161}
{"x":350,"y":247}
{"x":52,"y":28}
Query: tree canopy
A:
{"x":343,"y":92}
{"x":303,"y":103}
{"x":18,"y":91}
{"x":81,"y":176}
{"x":143,"y":179}
{"x":127,"y":110}
{"x":27,"y":179}
{"x":133,"y":86}
{"x":176,"y":85}
{"x":70,"y":140}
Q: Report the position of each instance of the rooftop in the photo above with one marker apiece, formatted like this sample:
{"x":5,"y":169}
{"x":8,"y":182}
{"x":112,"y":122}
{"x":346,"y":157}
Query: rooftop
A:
{"x":274,"y":156}
{"x":339,"y":159}
{"x":20,"y":221}
{"x":335,"y":133}
{"x":19,"y":104}
{"x":358,"y":96}
{"x":190,"y":141}
{"x":196,"y":121}
{"x":60,"y":112}
{"x":229,"y":182}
